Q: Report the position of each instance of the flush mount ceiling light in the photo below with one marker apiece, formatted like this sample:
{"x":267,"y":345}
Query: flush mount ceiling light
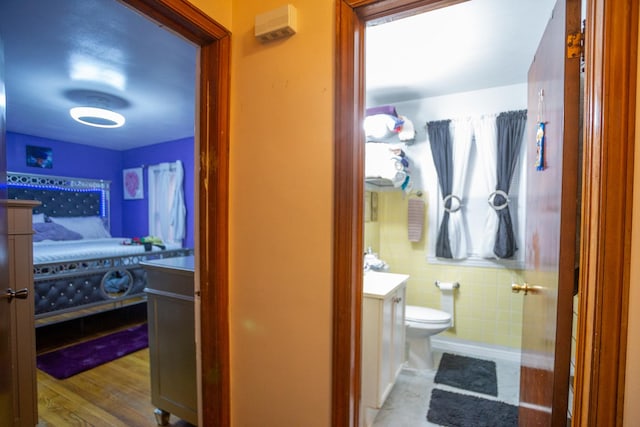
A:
{"x":96,"y":108}
{"x":97,"y":117}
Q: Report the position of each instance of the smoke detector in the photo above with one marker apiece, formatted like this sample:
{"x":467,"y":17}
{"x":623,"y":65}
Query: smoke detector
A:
{"x":276,"y":24}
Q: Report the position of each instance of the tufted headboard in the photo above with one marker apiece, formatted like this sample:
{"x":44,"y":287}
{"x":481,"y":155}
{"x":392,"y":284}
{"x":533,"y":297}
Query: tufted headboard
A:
{"x":62,"y":196}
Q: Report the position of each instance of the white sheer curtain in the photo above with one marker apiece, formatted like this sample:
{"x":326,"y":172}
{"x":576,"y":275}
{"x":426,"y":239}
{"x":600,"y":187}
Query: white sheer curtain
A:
{"x":486,"y":140}
{"x":167,"y":211}
{"x":461,"y":147}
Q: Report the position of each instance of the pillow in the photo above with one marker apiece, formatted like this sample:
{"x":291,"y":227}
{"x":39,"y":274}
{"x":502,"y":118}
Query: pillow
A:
{"x":90,"y":227}
{"x":52,"y":231}
{"x":38,"y":218}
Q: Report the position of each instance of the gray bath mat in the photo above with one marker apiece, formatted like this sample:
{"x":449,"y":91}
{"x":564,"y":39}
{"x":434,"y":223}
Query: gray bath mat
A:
{"x":468,"y":373}
{"x":462,"y":410}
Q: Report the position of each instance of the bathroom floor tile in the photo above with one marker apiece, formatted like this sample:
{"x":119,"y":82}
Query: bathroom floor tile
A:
{"x":408,"y":403}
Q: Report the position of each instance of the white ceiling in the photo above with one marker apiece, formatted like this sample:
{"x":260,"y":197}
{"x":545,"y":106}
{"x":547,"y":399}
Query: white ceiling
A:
{"x":58,"y":50}
{"x":468,"y":46}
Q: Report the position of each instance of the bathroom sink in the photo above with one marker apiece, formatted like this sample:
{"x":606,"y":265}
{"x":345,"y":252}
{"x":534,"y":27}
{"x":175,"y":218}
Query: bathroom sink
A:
{"x":379,"y":284}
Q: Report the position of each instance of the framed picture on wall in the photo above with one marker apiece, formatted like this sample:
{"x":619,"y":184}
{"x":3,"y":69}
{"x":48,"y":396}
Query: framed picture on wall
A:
{"x":39,"y":157}
{"x":133,"y":184}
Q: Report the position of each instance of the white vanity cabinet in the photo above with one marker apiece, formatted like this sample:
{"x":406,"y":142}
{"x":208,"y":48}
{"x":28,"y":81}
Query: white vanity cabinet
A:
{"x":383,"y":338}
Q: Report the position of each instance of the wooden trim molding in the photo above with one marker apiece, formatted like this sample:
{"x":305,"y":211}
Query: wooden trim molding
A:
{"x":212,"y":140}
{"x":396,"y":9}
{"x":348,"y":229}
{"x":213,"y":236}
{"x":609,"y":130}
{"x":183,"y":18}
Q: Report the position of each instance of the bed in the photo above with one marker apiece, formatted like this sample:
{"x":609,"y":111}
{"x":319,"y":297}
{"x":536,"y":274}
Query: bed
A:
{"x":79,"y":268}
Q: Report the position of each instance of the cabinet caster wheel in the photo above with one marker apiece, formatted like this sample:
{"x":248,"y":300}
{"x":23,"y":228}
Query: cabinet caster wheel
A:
{"x":162,"y":417}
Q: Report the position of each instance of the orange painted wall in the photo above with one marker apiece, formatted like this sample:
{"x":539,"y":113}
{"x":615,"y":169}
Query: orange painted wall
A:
{"x":219,"y":10}
{"x":281,"y":218}
{"x":280,"y":236}
{"x":281,"y":188}
{"x":281,"y":195}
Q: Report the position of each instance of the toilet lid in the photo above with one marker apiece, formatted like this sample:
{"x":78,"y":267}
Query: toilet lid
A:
{"x":426,"y":315}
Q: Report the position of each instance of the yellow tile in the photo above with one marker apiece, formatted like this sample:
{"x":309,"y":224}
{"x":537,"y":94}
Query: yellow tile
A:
{"x":503,"y":328}
{"x":473,"y":329}
{"x":503,"y":340}
{"x":516,"y":342}
{"x":488,"y":337}
{"x":503,"y":315}
{"x":490,"y":303}
{"x":516,"y":329}
{"x":486,"y":310}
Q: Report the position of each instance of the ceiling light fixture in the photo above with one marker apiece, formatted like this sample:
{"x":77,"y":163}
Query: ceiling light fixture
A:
{"x":97,"y":117}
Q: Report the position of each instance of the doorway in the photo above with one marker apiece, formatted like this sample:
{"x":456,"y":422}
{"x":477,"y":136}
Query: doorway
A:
{"x":432,"y":67}
{"x":211,"y":184}
{"x":600,"y":39}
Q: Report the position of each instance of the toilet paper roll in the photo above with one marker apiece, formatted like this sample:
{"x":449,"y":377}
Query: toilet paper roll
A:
{"x":446,"y":297}
{"x":447,"y":286}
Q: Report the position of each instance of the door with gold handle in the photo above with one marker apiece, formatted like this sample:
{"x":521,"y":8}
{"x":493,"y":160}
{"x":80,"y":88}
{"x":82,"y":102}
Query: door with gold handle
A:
{"x":11,"y":294}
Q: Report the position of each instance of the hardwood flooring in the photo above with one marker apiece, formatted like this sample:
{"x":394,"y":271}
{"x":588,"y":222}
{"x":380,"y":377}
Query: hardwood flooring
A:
{"x":114,"y":394}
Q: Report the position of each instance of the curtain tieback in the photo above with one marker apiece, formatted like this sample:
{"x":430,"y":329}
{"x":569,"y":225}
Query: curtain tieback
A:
{"x":492,"y":200}
{"x":455,"y":207}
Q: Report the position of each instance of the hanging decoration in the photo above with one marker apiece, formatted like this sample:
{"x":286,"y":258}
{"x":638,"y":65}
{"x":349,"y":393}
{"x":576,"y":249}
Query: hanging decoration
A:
{"x":133,"y":183}
{"x":540,"y":133}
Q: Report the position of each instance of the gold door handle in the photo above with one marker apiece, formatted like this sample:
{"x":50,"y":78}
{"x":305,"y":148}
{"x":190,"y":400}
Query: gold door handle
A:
{"x":517,"y":287}
{"x":11,"y":294}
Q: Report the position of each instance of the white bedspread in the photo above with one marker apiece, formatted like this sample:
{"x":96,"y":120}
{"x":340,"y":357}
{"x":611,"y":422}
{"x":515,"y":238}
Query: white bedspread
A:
{"x":72,"y":250}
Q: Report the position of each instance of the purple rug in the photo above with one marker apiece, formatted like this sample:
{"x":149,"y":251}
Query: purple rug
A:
{"x":81,"y":357}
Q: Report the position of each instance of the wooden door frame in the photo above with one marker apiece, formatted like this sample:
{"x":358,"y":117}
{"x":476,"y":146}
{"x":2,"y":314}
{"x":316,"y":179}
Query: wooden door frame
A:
{"x":609,"y":144}
{"x":609,"y":139}
{"x":212,"y":188}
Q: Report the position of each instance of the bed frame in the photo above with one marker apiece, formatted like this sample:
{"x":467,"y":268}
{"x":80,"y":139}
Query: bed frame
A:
{"x":69,"y":289}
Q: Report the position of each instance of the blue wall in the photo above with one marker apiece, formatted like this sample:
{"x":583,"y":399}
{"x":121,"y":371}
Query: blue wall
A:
{"x":137,"y":211}
{"x":129,"y":218}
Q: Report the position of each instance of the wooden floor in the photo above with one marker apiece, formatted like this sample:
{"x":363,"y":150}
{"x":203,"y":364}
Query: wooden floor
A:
{"x":114,"y":394}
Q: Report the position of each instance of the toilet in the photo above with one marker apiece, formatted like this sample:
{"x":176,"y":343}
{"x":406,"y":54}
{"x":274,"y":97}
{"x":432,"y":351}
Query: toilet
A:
{"x":421,"y":323}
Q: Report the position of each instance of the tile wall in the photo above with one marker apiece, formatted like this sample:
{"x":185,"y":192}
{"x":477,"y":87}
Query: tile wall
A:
{"x":486,"y":311}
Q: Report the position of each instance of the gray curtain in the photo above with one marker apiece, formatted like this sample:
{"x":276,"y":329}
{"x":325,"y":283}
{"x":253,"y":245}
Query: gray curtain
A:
{"x":510,"y":127}
{"x":441,"y":151}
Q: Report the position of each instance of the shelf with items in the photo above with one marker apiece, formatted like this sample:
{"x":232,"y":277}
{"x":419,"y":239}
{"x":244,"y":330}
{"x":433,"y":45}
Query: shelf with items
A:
{"x":386,"y":167}
{"x":384,"y":124}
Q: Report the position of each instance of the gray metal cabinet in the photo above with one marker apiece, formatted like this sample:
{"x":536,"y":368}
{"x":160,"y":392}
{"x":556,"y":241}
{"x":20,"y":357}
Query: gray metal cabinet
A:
{"x":172,"y":356}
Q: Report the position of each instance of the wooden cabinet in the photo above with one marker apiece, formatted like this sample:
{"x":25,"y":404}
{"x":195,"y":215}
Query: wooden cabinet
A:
{"x":22,"y":328}
{"x":172,"y":352}
{"x":383,"y":338}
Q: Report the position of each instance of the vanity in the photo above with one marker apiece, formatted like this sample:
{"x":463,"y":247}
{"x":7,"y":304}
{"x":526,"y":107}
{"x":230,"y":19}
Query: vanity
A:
{"x":383,"y":338}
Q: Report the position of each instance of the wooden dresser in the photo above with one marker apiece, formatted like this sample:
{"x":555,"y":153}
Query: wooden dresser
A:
{"x":172,"y":352}
{"x":22,"y":327}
